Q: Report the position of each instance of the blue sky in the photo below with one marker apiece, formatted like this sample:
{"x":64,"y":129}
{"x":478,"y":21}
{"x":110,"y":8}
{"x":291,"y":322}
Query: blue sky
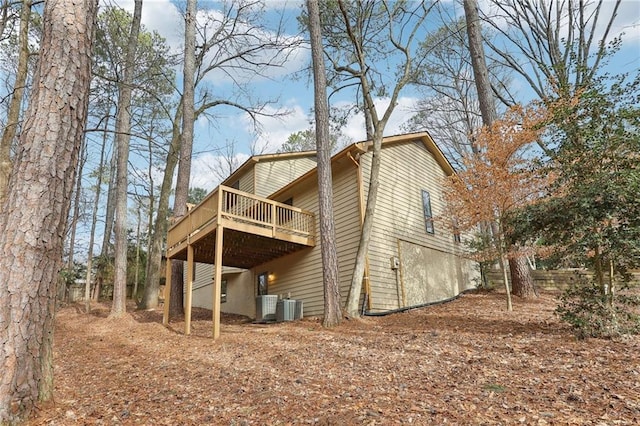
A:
{"x":296,"y":96}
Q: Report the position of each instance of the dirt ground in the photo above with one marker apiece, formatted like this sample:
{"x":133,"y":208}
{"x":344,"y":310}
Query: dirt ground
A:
{"x":468,"y":362}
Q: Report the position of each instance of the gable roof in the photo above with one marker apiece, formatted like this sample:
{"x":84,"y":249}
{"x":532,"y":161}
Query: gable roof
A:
{"x":254,"y":159}
{"x":363,"y":147}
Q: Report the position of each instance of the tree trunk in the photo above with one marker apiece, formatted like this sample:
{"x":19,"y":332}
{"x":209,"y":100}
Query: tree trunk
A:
{"x":375,"y":123}
{"x":522,"y":279}
{"x":522,"y":284}
{"x":76,"y":206}
{"x":94,"y":222}
{"x":505,"y":277}
{"x":479,"y":63}
{"x":330,"y":277}
{"x":367,"y":225}
{"x":111,"y":205}
{"x":123,"y":128}
{"x":33,"y":221}
{"x":154,"y":258}
{"x":176,"y":305}
{"x":134,"y":294}
{"x":13,"y":114}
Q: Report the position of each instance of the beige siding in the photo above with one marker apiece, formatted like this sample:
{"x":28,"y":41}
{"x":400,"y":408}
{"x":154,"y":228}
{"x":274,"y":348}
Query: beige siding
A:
{"x":247,"y":181}
{"x":300,"y":274}
{"x":407,"y":168}
{"x":272,"y":175}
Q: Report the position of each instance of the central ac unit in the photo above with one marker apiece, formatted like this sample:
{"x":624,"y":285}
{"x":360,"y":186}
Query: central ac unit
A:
{"x":266,"y":307}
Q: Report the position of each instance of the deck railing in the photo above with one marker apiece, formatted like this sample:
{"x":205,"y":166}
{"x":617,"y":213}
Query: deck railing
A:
{"x":247,"y":211}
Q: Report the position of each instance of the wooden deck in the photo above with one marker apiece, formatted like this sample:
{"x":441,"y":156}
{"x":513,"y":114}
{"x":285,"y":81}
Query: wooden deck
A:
{"x":256,"y":229}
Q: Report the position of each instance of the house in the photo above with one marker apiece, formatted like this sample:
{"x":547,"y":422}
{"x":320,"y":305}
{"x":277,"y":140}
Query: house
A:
{"x":259,"y":230}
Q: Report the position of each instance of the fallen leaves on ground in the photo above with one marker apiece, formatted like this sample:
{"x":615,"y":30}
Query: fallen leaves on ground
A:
{"x":464,"y":362}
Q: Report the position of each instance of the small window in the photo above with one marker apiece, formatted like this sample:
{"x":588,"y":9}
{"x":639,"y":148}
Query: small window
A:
{"x":263,"y":279}
{"x":428,"y":216}
{"x":223,"y":292}
{"x":456,"y":231}
{"x":236,"y":185}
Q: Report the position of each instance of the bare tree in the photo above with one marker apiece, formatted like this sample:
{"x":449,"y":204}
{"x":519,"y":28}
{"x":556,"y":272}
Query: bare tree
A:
{"x":554,"y":46}
{"x":450,"y":110}
{"x":330,"y":277}
{"x":35,"y":212}
{"x":361,"y":38}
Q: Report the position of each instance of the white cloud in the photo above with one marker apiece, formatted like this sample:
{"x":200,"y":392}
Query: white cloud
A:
{"x":208,"y":170}
{"x":404,"y":109}
{"x":275,"y":130}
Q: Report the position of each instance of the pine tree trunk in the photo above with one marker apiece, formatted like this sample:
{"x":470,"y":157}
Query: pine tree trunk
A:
{"x":479,"y":63}
{"x":330,"y":277}
{"x":76,"y":207}
{"x":123,"y":129}
{"x":37,"y":205}
{"x":176,"y":304}
{"x":94,"y":222}
{"x":522,"y":284}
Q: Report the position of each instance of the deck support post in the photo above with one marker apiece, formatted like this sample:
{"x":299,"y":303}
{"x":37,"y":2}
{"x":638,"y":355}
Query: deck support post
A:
{"x":167,"y":292}
{"x":217,"y":281}
{"x":188,"y":299}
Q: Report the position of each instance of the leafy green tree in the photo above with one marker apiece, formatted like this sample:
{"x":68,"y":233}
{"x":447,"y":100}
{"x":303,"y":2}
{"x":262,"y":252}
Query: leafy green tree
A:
{"x":592,"y":217}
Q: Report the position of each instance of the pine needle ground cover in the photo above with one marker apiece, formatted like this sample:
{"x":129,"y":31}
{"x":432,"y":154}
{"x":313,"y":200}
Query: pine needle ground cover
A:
{"x":465,"y":362}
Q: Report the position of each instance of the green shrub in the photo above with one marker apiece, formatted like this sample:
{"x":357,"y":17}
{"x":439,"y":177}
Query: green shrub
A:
{"x":593,"y":314}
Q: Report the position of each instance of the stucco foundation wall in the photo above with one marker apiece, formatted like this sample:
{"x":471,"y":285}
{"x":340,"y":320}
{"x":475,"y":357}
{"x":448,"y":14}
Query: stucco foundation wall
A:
{"x":428,"y":275}
{"x":240,"y":291}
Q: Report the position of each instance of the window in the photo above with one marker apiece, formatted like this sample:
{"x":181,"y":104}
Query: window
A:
{"x":236,"y":185}
{"x":456,"y":231}
{"x":223,"y":292}
{"x":428,"y":216}
{"x":263,"y":279}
